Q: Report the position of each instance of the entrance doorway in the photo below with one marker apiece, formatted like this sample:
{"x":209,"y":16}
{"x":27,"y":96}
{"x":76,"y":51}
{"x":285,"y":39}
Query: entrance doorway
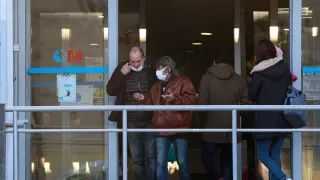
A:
{"x":194,"y":33}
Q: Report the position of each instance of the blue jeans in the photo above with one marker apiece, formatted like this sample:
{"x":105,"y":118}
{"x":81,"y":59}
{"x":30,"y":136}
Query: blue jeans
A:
{"x":142,"y":150}
{"x":269,"y":151}
{"x":217,"y":159}
{"x":163,"y":144}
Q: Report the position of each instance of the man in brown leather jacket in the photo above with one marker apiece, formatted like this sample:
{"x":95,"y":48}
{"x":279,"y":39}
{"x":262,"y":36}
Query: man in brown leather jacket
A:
{"x":171,"y":89}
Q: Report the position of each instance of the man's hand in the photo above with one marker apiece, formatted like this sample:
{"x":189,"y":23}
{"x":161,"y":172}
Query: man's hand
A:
{"x":138,"y":96}
{"x":125,"y":69}
{"x":168,"y":97}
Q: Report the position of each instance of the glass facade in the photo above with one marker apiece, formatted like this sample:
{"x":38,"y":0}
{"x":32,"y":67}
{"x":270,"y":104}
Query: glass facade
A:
{"x":311,"y":85}
{"x":67,"y":67}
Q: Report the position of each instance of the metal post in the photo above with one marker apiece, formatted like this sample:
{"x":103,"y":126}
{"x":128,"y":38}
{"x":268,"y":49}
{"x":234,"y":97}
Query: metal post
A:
{"x":15,"y":145}
{"x":234,"y":146}
{"x":124,"y":145}
{"x":2,"y":142}
{"x":297,"y":155}
{"x":296,"y":68}
{"x":113,"y":36}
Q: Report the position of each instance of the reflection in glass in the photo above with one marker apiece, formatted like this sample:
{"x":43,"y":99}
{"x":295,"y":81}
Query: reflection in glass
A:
{"x":311,"y":85}
{"x":67,"y":37}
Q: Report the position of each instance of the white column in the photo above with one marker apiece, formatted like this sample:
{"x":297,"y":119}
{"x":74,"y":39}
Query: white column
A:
{"x":113,"y":11}
{"x":296,"y":68}
{"x":6,"y":74}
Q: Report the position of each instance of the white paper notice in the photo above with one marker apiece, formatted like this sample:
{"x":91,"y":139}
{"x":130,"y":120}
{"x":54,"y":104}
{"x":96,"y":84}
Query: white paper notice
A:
{"x":67,"y":88}
{"x":85,"y":94}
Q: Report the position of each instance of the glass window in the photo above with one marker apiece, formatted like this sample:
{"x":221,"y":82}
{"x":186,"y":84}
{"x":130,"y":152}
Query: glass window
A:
{"x":311,"y":84}
{"x":68,"y":67}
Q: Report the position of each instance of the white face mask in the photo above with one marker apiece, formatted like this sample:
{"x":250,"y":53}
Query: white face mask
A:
{"x":161,"y":75}
{"x":136,"y":69}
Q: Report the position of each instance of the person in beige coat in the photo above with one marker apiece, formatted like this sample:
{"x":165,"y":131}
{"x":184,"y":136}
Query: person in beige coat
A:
{"x":220,"y":85}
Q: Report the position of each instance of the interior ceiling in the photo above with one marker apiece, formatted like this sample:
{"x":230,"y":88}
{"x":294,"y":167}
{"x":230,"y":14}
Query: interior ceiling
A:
{"x":171,"y":24}
{"x":174,"y":24}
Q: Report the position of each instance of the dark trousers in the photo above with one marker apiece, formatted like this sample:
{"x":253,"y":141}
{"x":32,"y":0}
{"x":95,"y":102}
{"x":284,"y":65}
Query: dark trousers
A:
{"x":269,"y":151}
{"x":181,"y":146}
{"x":142,"y":150}
{"x":217,"y":159}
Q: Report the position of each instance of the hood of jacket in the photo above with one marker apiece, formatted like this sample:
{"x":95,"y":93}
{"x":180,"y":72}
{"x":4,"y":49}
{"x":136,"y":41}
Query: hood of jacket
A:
{"x":221,"y":71}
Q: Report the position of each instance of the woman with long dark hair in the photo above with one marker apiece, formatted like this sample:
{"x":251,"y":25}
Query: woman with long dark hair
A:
{"x":270,"y":81}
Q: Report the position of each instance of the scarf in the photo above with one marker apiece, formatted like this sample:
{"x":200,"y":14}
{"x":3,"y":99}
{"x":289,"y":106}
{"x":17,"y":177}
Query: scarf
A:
{"x":265,"y":64}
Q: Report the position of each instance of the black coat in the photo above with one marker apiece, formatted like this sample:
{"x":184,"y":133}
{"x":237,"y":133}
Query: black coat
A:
{"x":269,"y":87}
{"x":117,"y":86}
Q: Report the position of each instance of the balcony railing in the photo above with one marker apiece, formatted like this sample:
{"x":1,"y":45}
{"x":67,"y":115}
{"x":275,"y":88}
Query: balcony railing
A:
{"x":124,"y":130}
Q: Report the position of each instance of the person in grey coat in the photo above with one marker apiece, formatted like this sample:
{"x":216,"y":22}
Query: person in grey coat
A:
{"x":220,"y":85}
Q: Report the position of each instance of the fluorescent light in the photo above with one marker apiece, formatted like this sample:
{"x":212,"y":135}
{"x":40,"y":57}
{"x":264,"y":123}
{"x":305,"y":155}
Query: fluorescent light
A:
{"x":76,"y":167}
{"x":206,"y":34}
{"x":106,"y":33}
{"x":274,"y":33}
{"x":47,"y":168}
{"x":32,"y":167}
{"x":101,"y":16}
{"x":236,"y":34}
{"x":197,"y":43}
{"x":286,"y":29}
{"x":65,"y":33}
{"x":315,"y":31}
{"x":94,"y":44}
{"x":142,"y":34}
{"x":87,"y":170}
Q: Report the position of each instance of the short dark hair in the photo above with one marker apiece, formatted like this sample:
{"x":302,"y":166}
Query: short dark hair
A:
{"x":265,"y":50}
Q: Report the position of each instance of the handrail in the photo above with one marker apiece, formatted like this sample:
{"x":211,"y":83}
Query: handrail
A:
{"x":125,"y":130}
{"x":162,"y":108}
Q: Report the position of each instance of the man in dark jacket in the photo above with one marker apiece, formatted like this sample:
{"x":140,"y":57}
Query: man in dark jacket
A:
{"x":220,"y":86}
{"x":131,"y":82}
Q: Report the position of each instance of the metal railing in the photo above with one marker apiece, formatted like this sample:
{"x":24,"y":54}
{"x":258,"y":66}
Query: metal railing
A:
{"x":124,"y":130}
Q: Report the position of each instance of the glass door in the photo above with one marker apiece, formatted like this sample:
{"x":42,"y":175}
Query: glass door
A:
{"x":68,"y":67}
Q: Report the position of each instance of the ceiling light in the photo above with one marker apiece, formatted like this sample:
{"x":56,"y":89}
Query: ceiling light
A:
{"x":76,"y":167}
{"x":315,"y":31}
{"x":286,"y":29}
{"x":32,"y":167}
{"x":105,"y":33}
{"x":65,"y":33}
{"x":87,"y":170}
{"x":142,"y":34}
{"x":101,"y":16}
{"x":236,"y":34}
{"x":47,"y":168}
{"x":197,"y":43}
{"x":274,"y":33}
{"x":206,"y":34}
{"x":94,"y":44}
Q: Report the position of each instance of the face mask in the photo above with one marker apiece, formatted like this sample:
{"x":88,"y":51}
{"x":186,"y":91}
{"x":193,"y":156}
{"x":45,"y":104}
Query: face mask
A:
{"x":160,"y":74}
{"x":136,"y":69}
